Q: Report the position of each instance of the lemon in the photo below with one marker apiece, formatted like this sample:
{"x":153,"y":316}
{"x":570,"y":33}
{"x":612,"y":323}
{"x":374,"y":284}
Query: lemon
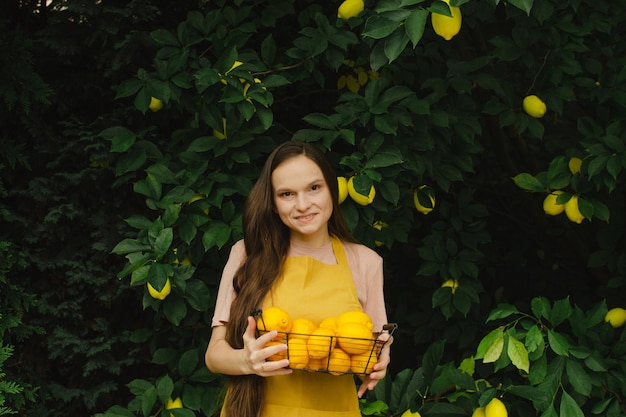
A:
{"x":616,"y":317}
{"x":165,"y":291}
{"x":574,"y":165}
{"x":321,"y":342}
{"x":355,"y":338}
{"x":177,"y":403}
{"x":298,"y":353}
{"x":274,"y":318}
{"x":422,"y":209}
{"x":408,"y":413}
{"x":550,"y":206}
{"x":479,"y":412}
{"x":329,"y":323}
{"x":221,"y":135}
{"x":356,"y":316}
{"x":495,"y":408}
{"x":445,"y":26}
{"x":358,"y":198}
{"x":572,"y":211}
{"x":350,"y":8}
{"x":342,"y":183}
{"x":533,"y":106}
{"x":301,"y":328}
{"x":155,"y":104}
{"x":338,"y":362}
{"x":452,"y":283}
{"x":362,"y":363}
{"x":317,"y":364}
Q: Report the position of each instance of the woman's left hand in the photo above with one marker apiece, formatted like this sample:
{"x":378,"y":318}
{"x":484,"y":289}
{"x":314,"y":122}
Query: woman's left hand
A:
{"x":380,"y":369}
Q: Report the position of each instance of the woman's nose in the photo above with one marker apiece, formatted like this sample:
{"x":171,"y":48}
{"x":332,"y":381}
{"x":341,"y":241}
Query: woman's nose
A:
{"x":302,"y":202}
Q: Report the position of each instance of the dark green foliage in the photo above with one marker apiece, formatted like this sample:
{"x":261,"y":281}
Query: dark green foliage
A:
{"x":88,"y":173}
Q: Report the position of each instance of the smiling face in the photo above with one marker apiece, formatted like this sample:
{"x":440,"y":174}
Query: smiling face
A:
{"x":303,"y":200}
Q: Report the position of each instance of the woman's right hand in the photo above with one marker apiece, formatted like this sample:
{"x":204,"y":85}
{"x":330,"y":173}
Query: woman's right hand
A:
{"x":255,"y":353}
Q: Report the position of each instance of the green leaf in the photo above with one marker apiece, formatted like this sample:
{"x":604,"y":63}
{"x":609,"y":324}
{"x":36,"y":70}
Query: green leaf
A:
{"x":533,"y":339}
{"x":561,"y":310}
{"x":165,"y":387}
{"x":518,"y":354}
{"x":502,"y":311}
{"x":569,"y":407}
{"x":558,"y":343}
{"x":174,"y":309}
{"x":415,"y":24}
{"x":528,"y":182}
{"x":188,"y":363}
{"x":396,"y":44}
{"x":578,"y":377}
{"x":378,"y":27}
{"x":488,"y":340}
{"x":163,"y":242}
{"x":130,"y":245}
{"x":216,"y":235}
{"x":494,"y":350}
{"x":164,"y":37}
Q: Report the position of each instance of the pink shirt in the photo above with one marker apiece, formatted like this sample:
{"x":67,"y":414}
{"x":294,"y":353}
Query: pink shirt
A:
{"x":366,"y":266}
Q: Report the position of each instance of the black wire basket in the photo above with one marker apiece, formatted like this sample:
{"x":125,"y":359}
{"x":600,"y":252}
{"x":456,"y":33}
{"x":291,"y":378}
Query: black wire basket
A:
{"x":328,"y":352}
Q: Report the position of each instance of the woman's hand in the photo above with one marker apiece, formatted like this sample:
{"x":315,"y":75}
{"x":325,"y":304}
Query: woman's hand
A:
{"x":380,"y":369}
{"x":255,"y":353}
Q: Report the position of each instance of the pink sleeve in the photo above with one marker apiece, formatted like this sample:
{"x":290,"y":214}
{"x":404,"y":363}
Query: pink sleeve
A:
{"x":226,"y":292}
{"x":367,"y":270}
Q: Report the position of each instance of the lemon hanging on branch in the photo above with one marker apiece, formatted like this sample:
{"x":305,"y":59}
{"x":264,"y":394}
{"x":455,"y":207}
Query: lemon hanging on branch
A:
{"x":551,"y":206}
{"x":572,"y":212}
{"x":350,"y":8}
{"x":155,"y":104}
{"x":342,"y":183}
{"x":445,"y":26}
{"x":616,"y":317}
{"x":534,"y":106}
{"x":424,"y":193}
{"x":359,"y":198}
{"x":164,"y":292}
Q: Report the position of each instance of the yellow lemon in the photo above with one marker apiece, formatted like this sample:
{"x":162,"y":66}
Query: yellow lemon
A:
{"x":445,"y":26}
{"x":616,"y":317}
{"x":274,"y":318}
{"x":298,"y":353}
{"x":550,"y":206}
{"x":574,"y":165}
{"x":338,"y":362}
{"x":356,"y":316}
{"x":571,"y":210}
{"x":321,"y":342}
{"x":342,"y":183}
{"x":221,"y":135}
{"x":177,"y":403}
{"x":155,"y":104}
{"x":495,"y":408}
{"x":479,"y":412}
{"x":534,"y":106}
{"x":329,"y":323}
{"x":355,"y":338}
{"x":422,"y":209}
{"x":358,"y":198}
{"x":362,"y":363}
{"x":317,"y":364}
{"x":165,"y":291}
{"x":452,"y":283}
{"x":301,"y":328}
{"x":350,"y":8}
{"x":408,"y":413}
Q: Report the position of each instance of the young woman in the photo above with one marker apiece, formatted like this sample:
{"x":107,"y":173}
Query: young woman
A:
{"x":298,"y":254}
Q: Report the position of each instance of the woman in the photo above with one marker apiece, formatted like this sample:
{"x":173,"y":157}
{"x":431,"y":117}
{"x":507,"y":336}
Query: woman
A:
{"x":298,"y":254}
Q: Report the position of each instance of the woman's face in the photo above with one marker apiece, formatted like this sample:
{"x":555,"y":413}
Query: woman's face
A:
{"x":303,"y":200}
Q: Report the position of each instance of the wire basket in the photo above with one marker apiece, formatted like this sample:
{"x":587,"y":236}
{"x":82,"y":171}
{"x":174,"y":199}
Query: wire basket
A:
{"x":328,"y":353}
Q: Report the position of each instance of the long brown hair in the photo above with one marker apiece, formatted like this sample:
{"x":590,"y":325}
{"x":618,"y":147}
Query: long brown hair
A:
{"x":266,"y":240}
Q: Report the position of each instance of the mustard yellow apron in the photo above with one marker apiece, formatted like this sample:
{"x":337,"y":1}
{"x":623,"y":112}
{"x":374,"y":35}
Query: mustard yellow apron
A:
{"x":315,"y":290}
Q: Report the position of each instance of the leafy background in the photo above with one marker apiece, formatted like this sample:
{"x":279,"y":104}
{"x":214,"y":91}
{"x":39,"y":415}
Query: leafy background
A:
{"x":101,"y":195}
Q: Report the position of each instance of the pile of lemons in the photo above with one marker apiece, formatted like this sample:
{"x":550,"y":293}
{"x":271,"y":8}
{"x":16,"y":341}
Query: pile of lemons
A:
{"x":338,"y":345}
